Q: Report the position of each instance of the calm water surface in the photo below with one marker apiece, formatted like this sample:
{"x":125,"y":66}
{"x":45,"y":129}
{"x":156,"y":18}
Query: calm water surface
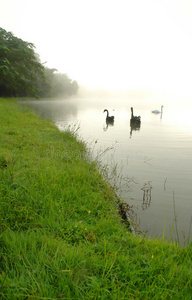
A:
{"x":154,"y":161}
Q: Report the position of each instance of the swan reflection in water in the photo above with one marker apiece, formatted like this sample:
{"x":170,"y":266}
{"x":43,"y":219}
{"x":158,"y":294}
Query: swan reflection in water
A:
{"x":134,"y":127}
{"x":109,"y":120}
{"x":146,"y":195}
{"x":135,"y":122}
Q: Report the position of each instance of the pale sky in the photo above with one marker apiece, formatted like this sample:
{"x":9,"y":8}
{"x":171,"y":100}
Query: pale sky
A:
{"x":111,"y":44}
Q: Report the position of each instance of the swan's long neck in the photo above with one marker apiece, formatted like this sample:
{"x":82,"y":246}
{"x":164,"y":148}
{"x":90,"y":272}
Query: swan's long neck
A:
{"x":107,"y":113}
{"x":132,"y":113}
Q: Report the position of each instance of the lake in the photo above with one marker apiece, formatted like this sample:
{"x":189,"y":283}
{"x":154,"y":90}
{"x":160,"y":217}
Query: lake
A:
{"x":152,"y":165}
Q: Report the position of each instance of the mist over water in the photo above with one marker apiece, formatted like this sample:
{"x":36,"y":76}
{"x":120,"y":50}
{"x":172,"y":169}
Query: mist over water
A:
{"x":155,"y":157}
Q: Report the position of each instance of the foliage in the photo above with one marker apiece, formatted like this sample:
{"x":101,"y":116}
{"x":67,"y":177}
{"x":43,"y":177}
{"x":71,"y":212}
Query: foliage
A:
{"x":60,"y":233}
{"x":19,"y":66}
{"x":56,"y":84}
{"x":22,"y":74}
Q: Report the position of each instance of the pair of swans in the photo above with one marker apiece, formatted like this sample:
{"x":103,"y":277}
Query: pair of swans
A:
{"x":134,"y":119}
{"x":137,"y":120}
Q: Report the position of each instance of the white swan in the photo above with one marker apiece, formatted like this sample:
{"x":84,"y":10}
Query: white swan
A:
{"x":158,"y":111}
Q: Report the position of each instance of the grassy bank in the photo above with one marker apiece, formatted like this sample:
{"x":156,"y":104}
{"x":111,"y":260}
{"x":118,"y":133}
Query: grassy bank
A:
{"x":61,"y":235}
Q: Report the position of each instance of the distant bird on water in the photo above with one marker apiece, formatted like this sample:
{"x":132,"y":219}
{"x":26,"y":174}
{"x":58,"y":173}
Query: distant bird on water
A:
{"x":109,"y":119}
{"x":135,"y":120}
{"x":156,"y":112}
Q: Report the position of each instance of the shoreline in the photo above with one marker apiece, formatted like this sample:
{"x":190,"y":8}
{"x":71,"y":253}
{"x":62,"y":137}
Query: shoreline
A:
{"x":61,"y":233}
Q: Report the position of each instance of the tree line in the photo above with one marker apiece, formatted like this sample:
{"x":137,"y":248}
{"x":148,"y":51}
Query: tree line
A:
{"x":23,"y":75}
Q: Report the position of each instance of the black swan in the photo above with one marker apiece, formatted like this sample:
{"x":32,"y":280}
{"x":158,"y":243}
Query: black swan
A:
{"x":158,"y":111}
{"x":109,"y":119}
{"x":134,"y":119}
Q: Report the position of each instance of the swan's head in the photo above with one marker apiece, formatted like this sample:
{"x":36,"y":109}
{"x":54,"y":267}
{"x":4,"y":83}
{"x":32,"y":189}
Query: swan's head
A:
{"x":105,"y":110}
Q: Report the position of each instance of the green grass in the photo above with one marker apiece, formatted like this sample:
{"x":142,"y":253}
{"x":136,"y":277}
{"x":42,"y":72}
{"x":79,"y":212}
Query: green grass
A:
{"x":61,"y":235}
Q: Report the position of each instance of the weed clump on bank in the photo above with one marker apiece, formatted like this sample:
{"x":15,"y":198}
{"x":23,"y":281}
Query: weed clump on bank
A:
{"x":61,"y":234}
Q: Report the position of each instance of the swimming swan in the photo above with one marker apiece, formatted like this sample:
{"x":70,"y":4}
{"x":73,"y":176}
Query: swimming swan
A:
{"x":158,"y":111}
{"x":109,"y":118}
{"x":134,"y":119}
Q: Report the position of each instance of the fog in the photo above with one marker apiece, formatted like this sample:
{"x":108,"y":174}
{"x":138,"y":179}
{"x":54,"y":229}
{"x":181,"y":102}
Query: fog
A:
{"x":115,"y":45}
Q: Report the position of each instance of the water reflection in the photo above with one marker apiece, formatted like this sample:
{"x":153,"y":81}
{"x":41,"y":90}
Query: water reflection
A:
{"x":134,"y":127}
{"x":107,"y":124}
{"x":146,"y":195}
{"x":54,"y":109}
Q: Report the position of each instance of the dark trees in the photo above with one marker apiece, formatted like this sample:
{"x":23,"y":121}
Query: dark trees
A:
{"x":19,"y":66}
{"x":22,"y":74}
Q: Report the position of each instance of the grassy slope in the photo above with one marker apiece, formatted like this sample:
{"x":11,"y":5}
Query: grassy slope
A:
{"x":61,"y":236}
